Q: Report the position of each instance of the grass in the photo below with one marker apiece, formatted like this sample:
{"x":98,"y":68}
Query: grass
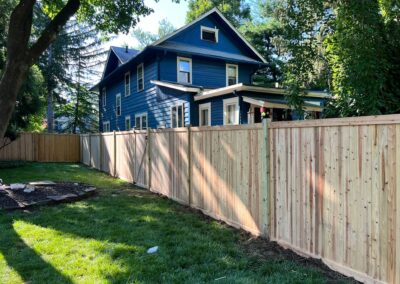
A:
{"x":104,"y":239}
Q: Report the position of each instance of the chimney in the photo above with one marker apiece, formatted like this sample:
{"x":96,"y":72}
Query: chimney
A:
{"x":126,"y":48}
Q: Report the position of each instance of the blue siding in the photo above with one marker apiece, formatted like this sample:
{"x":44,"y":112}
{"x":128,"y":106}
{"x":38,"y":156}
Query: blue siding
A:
{"x":227,"y":40}
{"x":155,"y":101}
{"x":209,"y":73}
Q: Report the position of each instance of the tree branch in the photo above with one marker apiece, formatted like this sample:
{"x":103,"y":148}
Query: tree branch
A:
{"x":53,"y":28}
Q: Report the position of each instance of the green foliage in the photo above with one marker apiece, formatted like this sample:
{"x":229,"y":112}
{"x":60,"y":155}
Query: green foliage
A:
{"x":145,"y":38}
{"x":346,"y":47}
{"x":236,"y":11}
{"x":104,"y":240}
{"x":264,"y":32}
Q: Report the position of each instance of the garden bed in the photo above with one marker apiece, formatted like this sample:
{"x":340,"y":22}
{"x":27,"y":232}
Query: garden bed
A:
{"x":39,"y":193}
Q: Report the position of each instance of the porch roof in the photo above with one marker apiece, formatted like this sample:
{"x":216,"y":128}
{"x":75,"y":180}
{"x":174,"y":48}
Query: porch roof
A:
{"x":280,"y":103}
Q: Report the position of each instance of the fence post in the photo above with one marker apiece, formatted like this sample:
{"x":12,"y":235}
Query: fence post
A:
{"x":149,"y":157}
{"x":265,"y":200}
{"x":115,"y":154}
{"x":190,"y":164}
{"x":90,"y":150}
{"x":101,"y":151}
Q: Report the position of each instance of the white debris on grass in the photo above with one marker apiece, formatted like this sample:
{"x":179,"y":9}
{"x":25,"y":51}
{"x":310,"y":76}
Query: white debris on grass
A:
{"x":29,"y":189}
{"x":152,"y":250}
{"x":16,"y":186}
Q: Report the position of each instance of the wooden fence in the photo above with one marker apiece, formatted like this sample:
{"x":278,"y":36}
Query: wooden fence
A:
{"x":42,"y":147}
{"x":327,"y":189}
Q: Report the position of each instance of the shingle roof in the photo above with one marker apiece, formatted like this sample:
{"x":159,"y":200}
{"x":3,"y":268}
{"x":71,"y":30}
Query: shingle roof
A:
{"x":187,"y":48}
{"x":124,"y":54}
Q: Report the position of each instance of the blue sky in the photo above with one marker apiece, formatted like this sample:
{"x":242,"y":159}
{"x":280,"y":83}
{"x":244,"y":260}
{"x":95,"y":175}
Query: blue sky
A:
{"x":175,"y":13}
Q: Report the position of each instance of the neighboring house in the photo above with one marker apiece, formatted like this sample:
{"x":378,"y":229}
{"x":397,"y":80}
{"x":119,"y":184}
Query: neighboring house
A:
{"x":200,"y":74}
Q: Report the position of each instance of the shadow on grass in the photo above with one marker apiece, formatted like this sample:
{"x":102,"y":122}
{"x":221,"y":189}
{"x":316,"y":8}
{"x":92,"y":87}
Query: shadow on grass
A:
{"x":23,"y":259}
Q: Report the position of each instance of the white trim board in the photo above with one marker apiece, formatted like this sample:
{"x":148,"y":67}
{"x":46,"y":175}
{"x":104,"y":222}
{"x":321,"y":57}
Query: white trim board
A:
{"x":240,"y":87}
{"x":175,"y":86}
{"x":267,"y":104}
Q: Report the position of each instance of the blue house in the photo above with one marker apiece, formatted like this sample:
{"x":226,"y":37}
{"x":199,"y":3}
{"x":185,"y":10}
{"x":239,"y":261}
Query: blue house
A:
{"x":199,"y":75}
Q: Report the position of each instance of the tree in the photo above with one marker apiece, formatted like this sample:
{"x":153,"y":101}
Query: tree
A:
{"x":146,"y":38}
{"x":28,"y":112}
{"x":264,"y":33}
{"x":85,"y":54}
{"x":346,"y":47}
{"x":23,"y":50}
{"x":236,"y":11}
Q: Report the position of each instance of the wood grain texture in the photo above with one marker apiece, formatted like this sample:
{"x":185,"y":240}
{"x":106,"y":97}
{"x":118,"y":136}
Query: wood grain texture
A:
{"x":43,"y":148}
{"x":336,"y":194}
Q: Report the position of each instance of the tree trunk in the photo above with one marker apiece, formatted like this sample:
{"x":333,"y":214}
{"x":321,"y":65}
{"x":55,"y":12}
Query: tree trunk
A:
{"x":11,"y":82}
{"x":21,"y":56}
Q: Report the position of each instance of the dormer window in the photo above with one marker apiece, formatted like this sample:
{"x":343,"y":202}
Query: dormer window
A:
{"x":209,"y":34}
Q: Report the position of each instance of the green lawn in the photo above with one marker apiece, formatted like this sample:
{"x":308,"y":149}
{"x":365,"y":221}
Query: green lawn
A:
{"x":104,"y":239}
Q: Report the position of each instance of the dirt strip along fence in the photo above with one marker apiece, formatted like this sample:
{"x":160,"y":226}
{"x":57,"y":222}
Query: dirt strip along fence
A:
{"x":327,"y":188}
{"x":41,"y":147}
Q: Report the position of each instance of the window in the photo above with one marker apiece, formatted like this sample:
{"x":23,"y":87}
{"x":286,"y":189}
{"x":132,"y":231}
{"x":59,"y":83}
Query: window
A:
{"x":127,"y":84}
{"x":231,"y":111}
{"x":104,"y":96}
{"x":141,"y":121}
{"x":140,"y":77}
{"x":205,"y":114}
{"x":118,"y":105}
{"x":232,"y":74}
{"x":177,"y":116}
{"x":209,"y":34}
{"x":184,"y":70}
{"x":128,"y":122}
{"x":106,"y":126}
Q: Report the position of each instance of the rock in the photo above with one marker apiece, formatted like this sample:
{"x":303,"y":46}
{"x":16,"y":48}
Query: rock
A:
{"x":29,"y":189}
{"x":152,"y":250}
{"x":76,"y":184}
{"x":16,"y":186}
{"x":44,"y":182}
{"x":89,"y":189}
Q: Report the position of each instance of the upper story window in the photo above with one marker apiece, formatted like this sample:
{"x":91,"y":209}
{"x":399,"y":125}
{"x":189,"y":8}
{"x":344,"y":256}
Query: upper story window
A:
{"x":140,"y":77}
{"x":231,"y":111}
{"x":118,"y":104}
{"x":104,"y":97}
{"x":141,"y":121}
{"x":209,"y":34}
{"x":184,"y":70}
{"x":205,"y":114}
{"x":177,"y":116}
{"x":232,"y":74}
{"x":127,"y":84}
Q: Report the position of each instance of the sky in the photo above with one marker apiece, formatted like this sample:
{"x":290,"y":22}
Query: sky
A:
{"x":174,"y":13}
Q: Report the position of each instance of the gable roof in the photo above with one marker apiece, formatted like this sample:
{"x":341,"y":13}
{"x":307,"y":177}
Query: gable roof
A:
{"x":217,"y":12}
{"x":124,"y":54}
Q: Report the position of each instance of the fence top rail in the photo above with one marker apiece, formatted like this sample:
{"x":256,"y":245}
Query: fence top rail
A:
{"x":331,"y":122}
{"x":160,"y":130}
{"x":256,"y":126}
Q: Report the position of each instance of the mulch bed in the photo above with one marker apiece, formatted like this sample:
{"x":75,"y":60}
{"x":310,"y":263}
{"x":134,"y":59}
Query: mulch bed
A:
{"x":44,"y":194}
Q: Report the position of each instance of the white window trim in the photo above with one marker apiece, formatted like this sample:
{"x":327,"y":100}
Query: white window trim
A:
{"x":141,"y":120}
{"x":137,"y":76}
{"x":231,"y":101}
{"x":128,"y":117}
{"x":129,"y":84}
{"x":227,"y":73}
{"x":107,"y":122}
{"x":104,"y":96}
{"x":203,"y":107}
{"x":215,"y":30}
{"x":178,"y":60}
{"x":183,"y":115}
{"x":120,"y":105}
